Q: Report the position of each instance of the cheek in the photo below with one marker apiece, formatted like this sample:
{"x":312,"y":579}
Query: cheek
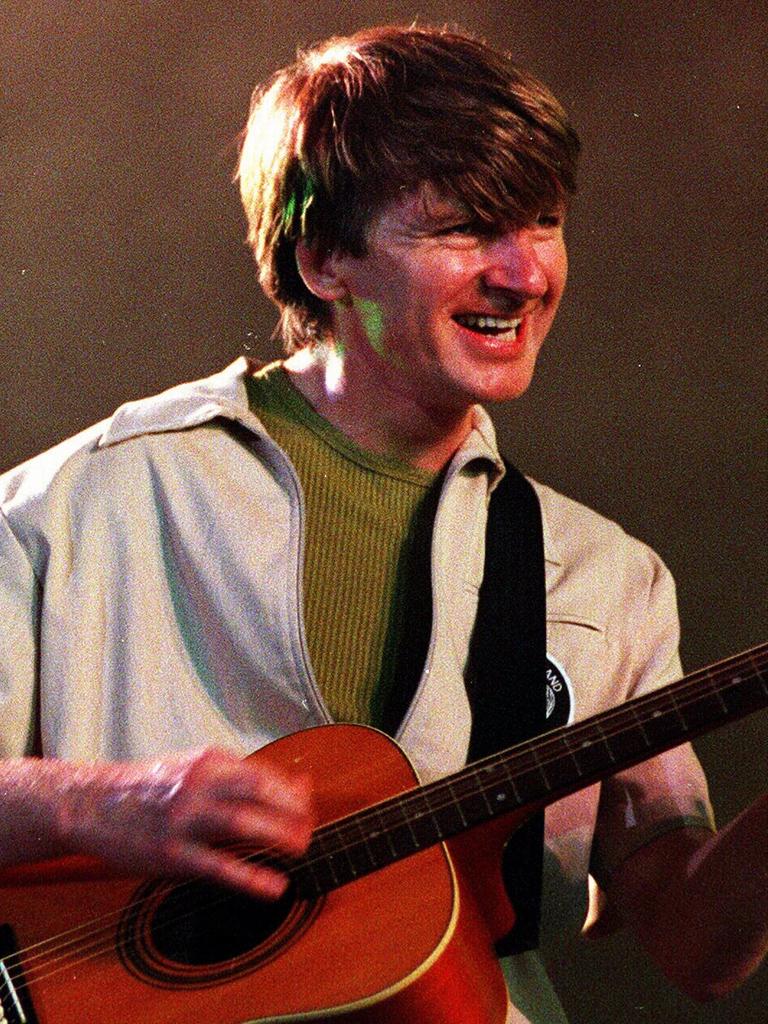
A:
{"x":559,"y":270}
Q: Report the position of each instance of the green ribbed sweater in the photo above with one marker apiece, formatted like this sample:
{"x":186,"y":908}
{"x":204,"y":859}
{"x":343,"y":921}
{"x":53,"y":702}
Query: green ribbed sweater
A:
{"x":366,"y":580}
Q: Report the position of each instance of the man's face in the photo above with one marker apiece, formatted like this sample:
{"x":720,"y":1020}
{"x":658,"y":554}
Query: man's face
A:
{"x":446,"y":312}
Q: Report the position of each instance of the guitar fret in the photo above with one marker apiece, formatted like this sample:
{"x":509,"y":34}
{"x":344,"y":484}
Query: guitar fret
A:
{"x":391,"y":844}
{"x":678,"y":711}
{"x":319,"y":862}
{"x":353,"y":869}
{"x":538,"y":770}
{"x":378,"y":843}
{"x":402,"y":836}
{"x":541,"y":768}
{"x":323,"y":867}
{"x":515,"y":790}
{"x":342,"y":858}
{"x":559,"y":762}
{"x":488,"y":770}
{"x":449,"y":815}
{"x":641,"y":728}
{"x":706,"y":705}
{"x":475,"y":805}
{"x":590,"y":756}
{"x":717,"y":691}
{"x":606,"y":743}
{"x":575,"y":760}
{"x":424,"y":826}
{"x":330,"y":862}
{"x":662,"y":726}
{"x":366,"y":839}
{"x":630,"y":739}
{"x":457,"y":805}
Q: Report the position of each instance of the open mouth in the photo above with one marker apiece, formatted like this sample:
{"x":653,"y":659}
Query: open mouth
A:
{"x":490,"y":326}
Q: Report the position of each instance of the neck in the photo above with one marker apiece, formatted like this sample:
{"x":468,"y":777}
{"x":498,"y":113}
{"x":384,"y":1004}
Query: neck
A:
{"x":382,"y":418}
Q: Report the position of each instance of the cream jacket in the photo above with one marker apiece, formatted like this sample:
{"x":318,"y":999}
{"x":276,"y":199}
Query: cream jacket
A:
{"x":150,"y":602}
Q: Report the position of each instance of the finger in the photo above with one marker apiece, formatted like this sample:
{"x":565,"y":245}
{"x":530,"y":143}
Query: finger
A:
{"x":245,"y":823}
{"x":264,"y":784}
{"x":254,"y":879}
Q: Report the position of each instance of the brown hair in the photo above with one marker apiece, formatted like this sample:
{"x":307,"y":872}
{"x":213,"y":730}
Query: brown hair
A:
{"x":335,"y":136}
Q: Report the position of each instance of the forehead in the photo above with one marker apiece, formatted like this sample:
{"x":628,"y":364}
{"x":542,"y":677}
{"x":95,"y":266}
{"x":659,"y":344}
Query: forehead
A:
{"x":421,"y":209}
{"x":416,"y":211}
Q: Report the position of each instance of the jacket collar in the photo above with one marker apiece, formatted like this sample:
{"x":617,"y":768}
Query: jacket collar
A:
{"x":224,"y":395}
{"x":186,"y":405}
{"x":481,"y":443}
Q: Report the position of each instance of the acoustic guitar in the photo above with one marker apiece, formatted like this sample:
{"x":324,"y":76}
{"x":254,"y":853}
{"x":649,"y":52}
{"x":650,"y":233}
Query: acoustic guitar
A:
{"x":392,"y":914}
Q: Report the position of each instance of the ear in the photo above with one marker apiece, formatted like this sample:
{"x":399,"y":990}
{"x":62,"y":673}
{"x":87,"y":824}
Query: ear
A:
{"x":321,"y":272}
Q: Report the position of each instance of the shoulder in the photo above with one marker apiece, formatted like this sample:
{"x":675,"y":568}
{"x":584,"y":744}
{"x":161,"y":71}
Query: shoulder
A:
{"x":27,"y":484}
{"x":573,"y":530}
{"x":593,"y":562}
{"x":104,"y":459}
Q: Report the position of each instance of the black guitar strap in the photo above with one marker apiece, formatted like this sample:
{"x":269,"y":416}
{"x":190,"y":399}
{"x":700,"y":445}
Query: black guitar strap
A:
{"x":506,"y":681}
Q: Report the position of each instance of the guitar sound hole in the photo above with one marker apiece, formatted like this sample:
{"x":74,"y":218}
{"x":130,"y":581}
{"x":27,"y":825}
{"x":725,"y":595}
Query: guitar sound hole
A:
{"x":198,"y":924}
{"x":193,"y":934}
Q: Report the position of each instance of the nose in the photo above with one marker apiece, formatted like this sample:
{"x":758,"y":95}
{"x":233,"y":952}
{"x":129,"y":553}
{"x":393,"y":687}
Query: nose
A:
{"x":515,"y":264}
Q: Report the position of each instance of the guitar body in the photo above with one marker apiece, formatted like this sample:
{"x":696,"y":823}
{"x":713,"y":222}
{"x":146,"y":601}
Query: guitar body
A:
{"x":403,"y":926}
{"x":403,"y":944}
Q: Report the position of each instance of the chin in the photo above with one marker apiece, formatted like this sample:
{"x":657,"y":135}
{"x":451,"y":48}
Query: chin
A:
{"x":506,"y":389}
{"x":494,"y":381}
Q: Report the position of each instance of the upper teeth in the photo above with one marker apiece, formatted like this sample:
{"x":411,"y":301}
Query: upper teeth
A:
{"x":496,"y":322}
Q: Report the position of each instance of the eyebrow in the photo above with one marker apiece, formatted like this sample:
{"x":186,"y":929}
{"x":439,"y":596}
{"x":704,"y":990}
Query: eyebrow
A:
{"x":441,"y":210}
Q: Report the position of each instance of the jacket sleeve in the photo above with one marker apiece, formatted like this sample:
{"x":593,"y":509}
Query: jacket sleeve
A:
{"x":668,"y":791}
{"x":19,"y":631}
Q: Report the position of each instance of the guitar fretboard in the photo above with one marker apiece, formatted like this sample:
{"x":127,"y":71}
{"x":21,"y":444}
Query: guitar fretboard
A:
{"x":533,"y":773}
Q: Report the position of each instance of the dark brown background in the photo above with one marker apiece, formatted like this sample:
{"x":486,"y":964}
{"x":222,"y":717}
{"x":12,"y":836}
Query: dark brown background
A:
{"x":123,"y":271}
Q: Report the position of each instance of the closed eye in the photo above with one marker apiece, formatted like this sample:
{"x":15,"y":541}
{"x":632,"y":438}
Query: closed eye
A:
{"x":549,"y":219}
{"x":463,"y":228}
{"x":475,"y":229}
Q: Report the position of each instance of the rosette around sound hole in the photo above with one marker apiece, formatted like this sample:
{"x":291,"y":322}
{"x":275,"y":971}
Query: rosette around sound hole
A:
{"x":191,"y":934}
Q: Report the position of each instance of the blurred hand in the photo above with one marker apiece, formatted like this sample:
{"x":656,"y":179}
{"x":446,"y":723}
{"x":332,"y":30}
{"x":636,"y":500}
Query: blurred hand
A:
{"x":169,"y":817}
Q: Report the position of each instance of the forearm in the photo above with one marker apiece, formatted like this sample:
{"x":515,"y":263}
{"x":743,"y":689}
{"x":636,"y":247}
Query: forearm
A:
{"x":34,"y":796}
{"x":50,"y":808}
{"x":699,"y":904}
{"x":722,"y":905}
{"x":173,"y":816}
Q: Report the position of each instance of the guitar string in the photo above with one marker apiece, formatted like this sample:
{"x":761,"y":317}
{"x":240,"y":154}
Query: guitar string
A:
{"x":92,"y":954}
{"x":341,"y":827}
{"x":335,"y":828}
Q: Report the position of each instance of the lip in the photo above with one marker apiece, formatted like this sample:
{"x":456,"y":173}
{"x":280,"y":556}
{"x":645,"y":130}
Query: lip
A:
{"x":495,"y":346}
{"x":496,"y":313}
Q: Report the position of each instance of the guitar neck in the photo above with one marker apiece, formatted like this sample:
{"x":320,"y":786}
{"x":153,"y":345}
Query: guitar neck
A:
{"x":534,"y":773}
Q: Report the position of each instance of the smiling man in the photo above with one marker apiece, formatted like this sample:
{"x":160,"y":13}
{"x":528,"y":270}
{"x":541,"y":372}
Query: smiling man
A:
{"x":284,"y":546}
{"x":441,"y":312}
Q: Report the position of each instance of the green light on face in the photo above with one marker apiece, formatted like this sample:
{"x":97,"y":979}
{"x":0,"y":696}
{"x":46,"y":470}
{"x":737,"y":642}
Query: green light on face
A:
{"x":373,"y":323}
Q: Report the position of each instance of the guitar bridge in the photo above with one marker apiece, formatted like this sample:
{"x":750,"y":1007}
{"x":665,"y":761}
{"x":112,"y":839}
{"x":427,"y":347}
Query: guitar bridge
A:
{"x":15,"y":1004}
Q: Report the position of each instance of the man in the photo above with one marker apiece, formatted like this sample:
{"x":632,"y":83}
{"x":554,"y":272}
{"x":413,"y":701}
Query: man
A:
{"x":248,"y":555}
